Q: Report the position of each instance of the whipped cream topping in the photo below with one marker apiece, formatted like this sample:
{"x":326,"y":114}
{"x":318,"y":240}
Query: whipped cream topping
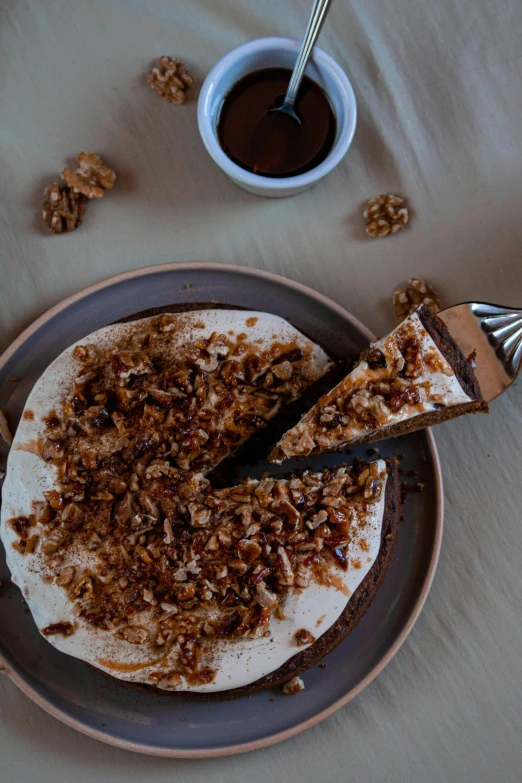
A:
{"x":237,"y":663}
{"x":433,"y":386}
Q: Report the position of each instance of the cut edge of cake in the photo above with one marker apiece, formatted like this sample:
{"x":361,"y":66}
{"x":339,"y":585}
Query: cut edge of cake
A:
{"x":463,"y":373}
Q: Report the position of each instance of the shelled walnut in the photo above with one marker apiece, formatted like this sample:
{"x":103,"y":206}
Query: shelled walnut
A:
{"x":417,"y":292}
{"x":385,"y":215}
{"x":171,"y":80}
{"x":92,"y":178}
{"x":63,"y":210}
{"x":64,"y":205}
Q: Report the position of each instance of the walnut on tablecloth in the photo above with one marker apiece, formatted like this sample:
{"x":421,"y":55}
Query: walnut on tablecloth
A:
{"x":63,"y":210}
{"x":171,"y":80}
{"x":417,"y":292}
{"x":92,"y":178}
{"x":64,"y":205}
{"x":385,"y":215}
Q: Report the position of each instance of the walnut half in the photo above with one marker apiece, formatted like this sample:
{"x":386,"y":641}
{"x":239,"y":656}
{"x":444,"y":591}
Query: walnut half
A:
{"x":385,"y":215}
{"x":63,"y":209}
{"x":171,"y":80}
{"x":64,"y":205}
{"x":92,"y":178}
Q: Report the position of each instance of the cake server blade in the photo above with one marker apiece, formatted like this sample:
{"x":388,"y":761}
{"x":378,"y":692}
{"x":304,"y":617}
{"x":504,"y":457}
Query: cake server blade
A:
{"x":491,"y":336}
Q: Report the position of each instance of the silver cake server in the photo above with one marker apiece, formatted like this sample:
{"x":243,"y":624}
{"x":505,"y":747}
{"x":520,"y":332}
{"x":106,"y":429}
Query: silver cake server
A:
{"x":491,"y":336}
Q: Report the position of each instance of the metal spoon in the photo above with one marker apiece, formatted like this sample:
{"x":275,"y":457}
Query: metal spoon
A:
{"x":278,"y":133}
{"x":315,"y":22}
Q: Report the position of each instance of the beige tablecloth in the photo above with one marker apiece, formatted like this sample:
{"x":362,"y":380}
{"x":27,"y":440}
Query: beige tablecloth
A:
{"x":439,"y":87}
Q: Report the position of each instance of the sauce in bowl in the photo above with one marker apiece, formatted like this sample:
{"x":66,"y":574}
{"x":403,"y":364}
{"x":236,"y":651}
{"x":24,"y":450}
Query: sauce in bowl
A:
{"x":270,"y":144}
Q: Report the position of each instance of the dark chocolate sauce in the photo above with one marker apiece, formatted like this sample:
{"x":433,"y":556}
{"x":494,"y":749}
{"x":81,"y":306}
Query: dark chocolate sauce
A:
{"x":271,"y":144}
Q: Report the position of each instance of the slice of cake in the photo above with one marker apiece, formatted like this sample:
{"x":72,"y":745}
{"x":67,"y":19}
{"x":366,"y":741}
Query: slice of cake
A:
{"x":414,"y":377}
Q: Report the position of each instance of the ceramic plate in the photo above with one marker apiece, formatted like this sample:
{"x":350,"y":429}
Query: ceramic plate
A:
{"x":156,"y":723}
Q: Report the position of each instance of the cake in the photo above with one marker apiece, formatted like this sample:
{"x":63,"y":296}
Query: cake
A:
{"x":126,"y":555}
{"x":414,"y":377}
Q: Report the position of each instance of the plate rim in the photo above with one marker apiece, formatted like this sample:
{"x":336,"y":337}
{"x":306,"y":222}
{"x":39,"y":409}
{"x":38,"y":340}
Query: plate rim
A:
{"x":271,"y":739}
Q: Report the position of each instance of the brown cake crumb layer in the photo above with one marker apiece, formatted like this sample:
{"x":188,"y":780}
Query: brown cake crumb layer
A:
{"x":442,"y":338}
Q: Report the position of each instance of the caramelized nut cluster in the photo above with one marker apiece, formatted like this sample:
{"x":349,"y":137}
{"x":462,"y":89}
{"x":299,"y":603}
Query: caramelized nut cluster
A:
{"x":176,"y":544}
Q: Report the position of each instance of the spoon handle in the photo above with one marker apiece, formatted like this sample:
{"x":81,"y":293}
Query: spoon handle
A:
{"x":315,"y":22}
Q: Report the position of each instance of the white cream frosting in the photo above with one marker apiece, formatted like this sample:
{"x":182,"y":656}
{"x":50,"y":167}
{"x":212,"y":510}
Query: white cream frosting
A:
{"x":239,"y":663}
{"x":436,"y":385}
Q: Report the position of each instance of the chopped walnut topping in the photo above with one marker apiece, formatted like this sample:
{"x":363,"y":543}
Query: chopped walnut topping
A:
{"x":303,"y":637}
{"x":133,"y":634}
{"x":92,"y":178}
{"x":265,"y":597}
{"x":199,"y":515}
{"x":181,"y":568}
{"x":317,"y":519}
{"x":306,"y":443}
{"x":171,"y":80}
{"x":286,"y":569}
{"x":167,"y":526}
{"x":385,"y":214}
{"x":293,"y":686}
{"x":157,"y":469}
{"x":393,"y":375}
{"x":63,"y":209}
{"x":64,"y":629}
{"x":417,"y":292}
{"x":283,"y":371}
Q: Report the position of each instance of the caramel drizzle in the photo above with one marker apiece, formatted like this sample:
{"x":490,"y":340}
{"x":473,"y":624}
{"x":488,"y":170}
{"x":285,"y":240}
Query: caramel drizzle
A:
{"x":127,"y":667}
{"x":33,"y":446}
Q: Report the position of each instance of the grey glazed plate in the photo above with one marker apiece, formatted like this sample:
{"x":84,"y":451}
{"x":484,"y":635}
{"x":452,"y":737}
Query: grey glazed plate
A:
{"x":157,"y":724}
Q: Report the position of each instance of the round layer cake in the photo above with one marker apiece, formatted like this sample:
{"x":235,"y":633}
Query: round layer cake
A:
{"x":126,"y":555}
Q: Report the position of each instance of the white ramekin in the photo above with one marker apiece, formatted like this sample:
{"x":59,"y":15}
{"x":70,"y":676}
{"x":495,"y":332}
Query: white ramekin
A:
{"x":266,"y":53}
